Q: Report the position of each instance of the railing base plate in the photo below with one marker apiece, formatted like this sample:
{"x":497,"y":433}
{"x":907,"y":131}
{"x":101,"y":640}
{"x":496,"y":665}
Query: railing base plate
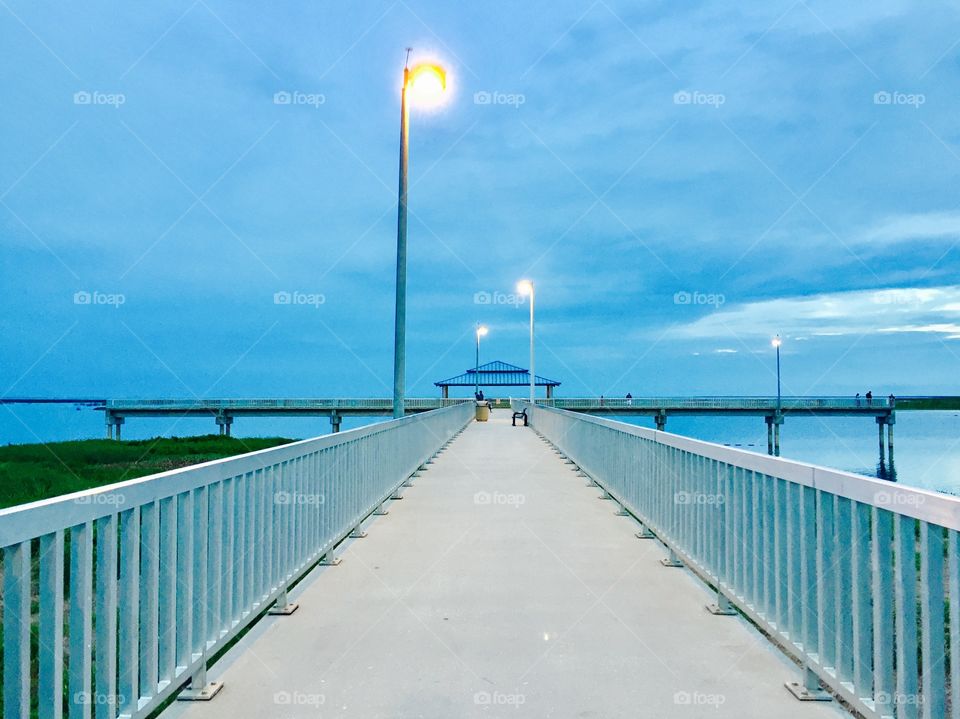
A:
{"x":804,"y":694}
{"x":204,"y":694}
{"x":645,"y":534}
{"x":284,"y":611}
{"x":358,"y":534}
{"x":330,"y":561}
{"x":669,"y":562}
{"x":721,"y":611}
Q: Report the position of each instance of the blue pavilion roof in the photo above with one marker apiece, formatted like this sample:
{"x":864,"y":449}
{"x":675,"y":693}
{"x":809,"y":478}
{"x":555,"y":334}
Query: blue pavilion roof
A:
{"x":496,"y":374}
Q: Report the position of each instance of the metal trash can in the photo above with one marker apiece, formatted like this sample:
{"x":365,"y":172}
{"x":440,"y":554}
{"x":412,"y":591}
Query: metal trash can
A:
{"x":483,"y":411}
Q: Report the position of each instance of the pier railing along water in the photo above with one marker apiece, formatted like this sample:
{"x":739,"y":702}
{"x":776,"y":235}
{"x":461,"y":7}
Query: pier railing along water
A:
{"x":853,"y":577}
{"x":163,"y":571}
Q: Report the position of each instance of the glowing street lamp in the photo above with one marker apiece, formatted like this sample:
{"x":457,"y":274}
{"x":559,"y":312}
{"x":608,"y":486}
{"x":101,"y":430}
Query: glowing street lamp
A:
{"x":426,"y":84}
{"x":525,"y":287}
{"x":481,"y":332}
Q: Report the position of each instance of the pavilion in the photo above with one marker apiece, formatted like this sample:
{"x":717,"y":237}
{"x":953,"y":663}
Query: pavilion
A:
{"x":496,"y":374}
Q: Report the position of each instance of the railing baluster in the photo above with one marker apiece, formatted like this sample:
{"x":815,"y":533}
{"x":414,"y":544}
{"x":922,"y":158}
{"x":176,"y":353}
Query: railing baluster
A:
{"x":50,"y":644}
{"x":861,"y":589}
{"x":106,"y":612}
{"x":881,"y":565}
{"x":953,"y":551}
{"x":843,"y":621}
{"x":79,"y":672}
{"x":129,"y":603}
{"x":149,"y":597}
{"x":931,"y":615}
{"x":167,"y":616}
{"x":16,"y":630}
{"x":906,"y":697}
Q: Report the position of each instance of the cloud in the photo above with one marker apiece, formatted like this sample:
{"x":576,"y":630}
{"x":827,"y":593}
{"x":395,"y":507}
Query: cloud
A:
{"x":933,"y":310}
{"x":913,"y":227}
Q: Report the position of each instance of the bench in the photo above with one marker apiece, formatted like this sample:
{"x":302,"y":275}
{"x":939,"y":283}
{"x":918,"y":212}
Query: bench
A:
{"x":520,"y":415}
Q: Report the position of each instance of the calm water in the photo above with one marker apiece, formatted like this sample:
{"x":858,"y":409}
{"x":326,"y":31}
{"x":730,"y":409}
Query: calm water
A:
{"x":927,"y":444}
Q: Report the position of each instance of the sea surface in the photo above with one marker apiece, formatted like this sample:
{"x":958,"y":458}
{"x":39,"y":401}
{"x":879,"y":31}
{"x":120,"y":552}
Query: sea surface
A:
{"x":926,"y":444}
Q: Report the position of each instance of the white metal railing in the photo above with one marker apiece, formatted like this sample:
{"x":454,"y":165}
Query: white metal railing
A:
{"x":163,"y":571}
{"x":858,"y":579}
{"x":721,"y":403}
{"x":307,"y":404}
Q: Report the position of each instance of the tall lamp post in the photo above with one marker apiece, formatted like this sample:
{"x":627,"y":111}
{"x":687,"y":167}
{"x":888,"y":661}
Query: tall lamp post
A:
{"x":481,"y":332}
{"x":525,"y":287}
{"x":776,"y":343}
{"x":426,"y":83}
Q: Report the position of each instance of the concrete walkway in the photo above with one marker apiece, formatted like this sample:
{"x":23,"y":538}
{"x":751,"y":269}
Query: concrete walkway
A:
{"x":502,"y":586}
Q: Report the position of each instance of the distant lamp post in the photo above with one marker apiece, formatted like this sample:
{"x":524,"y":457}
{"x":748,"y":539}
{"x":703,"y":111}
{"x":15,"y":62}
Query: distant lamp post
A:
{"x":776,"y":342}
{"x":426,"y":84}
{"x":481,"y":332}
{"x":525,"y":287}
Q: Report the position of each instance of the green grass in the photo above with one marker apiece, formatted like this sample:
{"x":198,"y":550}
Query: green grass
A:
{"x":29,"y":472}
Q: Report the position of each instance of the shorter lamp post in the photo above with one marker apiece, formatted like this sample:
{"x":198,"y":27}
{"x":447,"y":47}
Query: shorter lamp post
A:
{"x":481,"y":332}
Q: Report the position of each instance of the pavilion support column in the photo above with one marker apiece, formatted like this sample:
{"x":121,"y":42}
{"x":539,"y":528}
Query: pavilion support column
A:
{"x":335,"y":419}
{"x":661,"y":419}
{"x":446,"y":392}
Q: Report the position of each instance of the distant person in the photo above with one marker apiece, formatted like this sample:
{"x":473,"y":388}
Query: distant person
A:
{"x":601,"y":400}
{"x":480,"y":396}
{"x":629,"y":399}
{"x":893,"y":400}
{"x":869,"y":397}
{"x":858,"y":399}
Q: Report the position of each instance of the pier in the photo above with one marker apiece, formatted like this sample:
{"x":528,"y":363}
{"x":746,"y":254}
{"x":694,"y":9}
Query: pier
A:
{"x":576,"y":565}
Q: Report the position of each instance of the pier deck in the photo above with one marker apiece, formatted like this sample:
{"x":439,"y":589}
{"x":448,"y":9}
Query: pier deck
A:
{"x":502,"y":586}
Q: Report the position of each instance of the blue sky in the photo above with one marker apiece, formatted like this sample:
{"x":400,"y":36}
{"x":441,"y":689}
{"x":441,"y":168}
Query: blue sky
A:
{"x":681,"y":180}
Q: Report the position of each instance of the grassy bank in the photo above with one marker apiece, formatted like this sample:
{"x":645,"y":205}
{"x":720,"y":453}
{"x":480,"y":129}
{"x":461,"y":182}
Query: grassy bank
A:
{"x":29,"y":472}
